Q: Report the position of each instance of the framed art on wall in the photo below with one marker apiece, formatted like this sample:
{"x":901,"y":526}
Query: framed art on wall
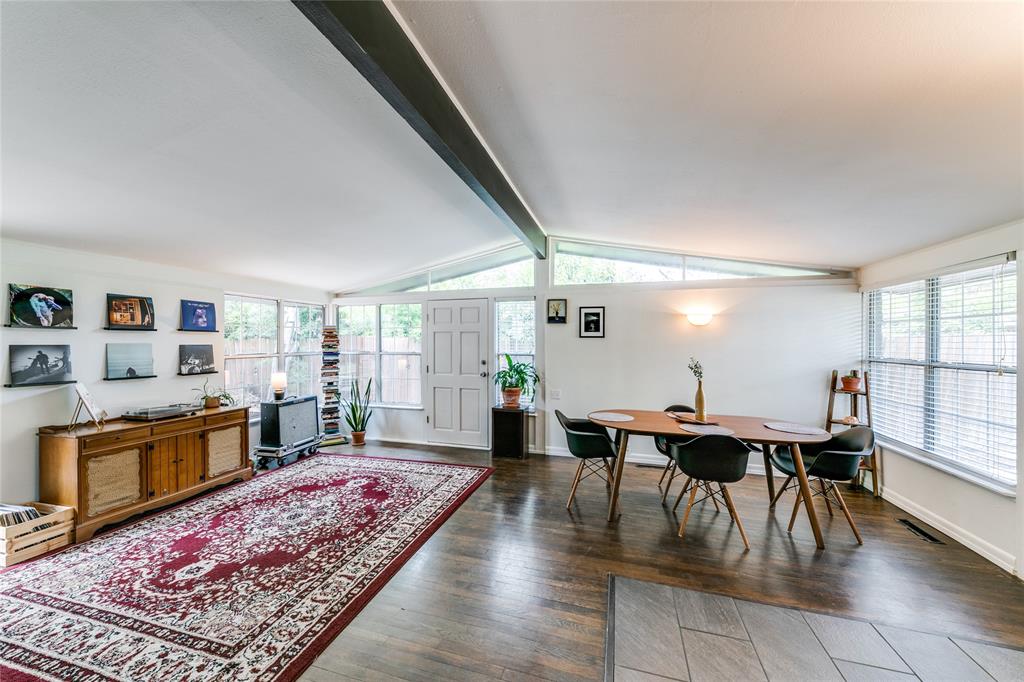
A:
{"x":130,"y":312}
{"x":129,"y":361}
{"x":196,"y":359}
{"x":35,"y":306}
{"x":40,"y":364}
{"x":558,"y":310}
{"x":198,"y":316}
{"x":592,"y":322}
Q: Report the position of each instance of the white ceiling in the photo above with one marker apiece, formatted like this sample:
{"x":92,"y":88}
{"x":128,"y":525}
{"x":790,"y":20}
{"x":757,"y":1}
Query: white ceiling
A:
{"x":230,"y":137}
{"x":828,"y":133}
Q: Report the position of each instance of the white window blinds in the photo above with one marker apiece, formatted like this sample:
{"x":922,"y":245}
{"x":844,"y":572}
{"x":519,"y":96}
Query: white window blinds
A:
{"x":942,"y":357}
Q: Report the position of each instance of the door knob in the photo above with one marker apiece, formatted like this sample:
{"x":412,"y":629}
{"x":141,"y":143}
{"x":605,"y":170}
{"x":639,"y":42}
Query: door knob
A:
{"x":483,"y":374}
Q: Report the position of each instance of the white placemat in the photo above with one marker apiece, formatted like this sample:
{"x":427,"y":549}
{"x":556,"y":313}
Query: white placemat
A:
{"x":789,"y":427}
{"x":707,"y":429}
{"x":610,"y":416}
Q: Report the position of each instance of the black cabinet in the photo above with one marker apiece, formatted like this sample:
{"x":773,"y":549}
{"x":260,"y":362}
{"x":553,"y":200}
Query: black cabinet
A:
{"x":509,"y":432}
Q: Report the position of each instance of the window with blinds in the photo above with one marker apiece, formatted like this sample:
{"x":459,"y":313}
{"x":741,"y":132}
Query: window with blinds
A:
{"x":942,"y":353}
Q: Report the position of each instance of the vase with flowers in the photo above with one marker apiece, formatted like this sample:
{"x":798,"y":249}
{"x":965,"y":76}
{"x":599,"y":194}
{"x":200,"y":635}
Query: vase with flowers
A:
{"x":698,"y":400}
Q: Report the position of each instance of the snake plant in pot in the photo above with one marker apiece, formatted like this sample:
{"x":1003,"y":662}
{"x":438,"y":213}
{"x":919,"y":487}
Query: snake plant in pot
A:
{"x":357,"y":411}
{"x":516,"y":379}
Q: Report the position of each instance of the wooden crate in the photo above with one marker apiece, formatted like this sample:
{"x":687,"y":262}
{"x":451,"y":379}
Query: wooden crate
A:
{"x":19,"y":542}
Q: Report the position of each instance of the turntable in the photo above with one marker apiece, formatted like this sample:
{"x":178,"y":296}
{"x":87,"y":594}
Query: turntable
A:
{"x":151,"y":414}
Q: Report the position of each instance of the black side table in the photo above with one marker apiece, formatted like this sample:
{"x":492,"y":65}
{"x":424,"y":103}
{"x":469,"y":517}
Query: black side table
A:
{"x":509,"y":432}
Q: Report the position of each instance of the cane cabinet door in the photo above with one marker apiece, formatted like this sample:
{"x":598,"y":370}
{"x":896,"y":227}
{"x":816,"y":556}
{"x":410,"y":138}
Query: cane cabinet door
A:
{"x":225,"y":450}
{"x":112,"y":479}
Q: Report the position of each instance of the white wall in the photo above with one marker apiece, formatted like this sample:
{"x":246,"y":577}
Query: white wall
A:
{"x":990,"y":523}
{"x":91,"y":277}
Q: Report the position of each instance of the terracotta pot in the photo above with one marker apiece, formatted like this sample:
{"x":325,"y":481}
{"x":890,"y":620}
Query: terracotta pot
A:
{"x":510,"y":397}
{"x":210,"y":403}
{"x":359,"y":438}
{"x":851,"y":383}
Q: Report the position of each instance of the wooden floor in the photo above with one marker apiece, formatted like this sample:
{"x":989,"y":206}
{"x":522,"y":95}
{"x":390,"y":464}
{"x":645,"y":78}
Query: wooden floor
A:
{"x":513,"y":587}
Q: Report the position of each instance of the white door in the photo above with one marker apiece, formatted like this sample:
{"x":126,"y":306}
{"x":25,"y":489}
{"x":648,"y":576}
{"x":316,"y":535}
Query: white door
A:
{"x":458,"y":376}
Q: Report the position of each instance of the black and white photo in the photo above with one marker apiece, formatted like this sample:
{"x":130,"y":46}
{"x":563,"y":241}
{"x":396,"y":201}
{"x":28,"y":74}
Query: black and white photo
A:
{"x":129,"y":360}
{"x":591,"y":322}
{"x":196,"y":359}
{"x":40,"y":364}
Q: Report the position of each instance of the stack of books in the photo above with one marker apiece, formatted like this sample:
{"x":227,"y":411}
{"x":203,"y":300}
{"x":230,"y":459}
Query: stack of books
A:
{"x":330,"y":410}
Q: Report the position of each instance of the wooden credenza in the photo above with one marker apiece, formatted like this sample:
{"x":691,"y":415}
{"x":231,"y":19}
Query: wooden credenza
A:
{"x":109,"y":474}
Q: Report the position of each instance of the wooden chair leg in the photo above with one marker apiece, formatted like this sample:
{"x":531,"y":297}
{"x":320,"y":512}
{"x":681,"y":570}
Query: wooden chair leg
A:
{"x":796,"y":508}
{"x":874,"y":472}
{"x":789,"y":479}
{"x":668,"y":465}
{"x":686,"y":486}
{"x":608,"y":473}
{"x":824,"y":494}
{"x":668,"y":486}
{"x":846,"y":512}
{"x":707,"y":489}
{"x":575,"y":482}
{"x":734,"y":514}
{"x":689,"y":506}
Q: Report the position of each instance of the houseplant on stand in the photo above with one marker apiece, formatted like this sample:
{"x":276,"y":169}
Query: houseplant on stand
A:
{"x":213,"y":397}
{"x":515,"y":379}
{"x":357,"y":411}
{"x":851,"y":381}
{"x":698,"y":400}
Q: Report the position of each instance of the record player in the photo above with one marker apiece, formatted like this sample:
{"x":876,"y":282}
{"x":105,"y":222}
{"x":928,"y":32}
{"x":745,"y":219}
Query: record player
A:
{"x":151,"y":414}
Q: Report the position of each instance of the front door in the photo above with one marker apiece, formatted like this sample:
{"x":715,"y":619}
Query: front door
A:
{"x":458,"y":376}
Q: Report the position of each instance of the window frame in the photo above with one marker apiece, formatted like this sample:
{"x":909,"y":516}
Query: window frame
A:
{"x":931,"y":365}
{"x":498,"y":354}
{"x":377,"y":399}
{"x":285,"y":354}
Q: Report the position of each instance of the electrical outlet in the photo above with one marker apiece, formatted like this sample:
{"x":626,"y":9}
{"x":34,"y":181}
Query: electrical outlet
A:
{"x":556,"y":394}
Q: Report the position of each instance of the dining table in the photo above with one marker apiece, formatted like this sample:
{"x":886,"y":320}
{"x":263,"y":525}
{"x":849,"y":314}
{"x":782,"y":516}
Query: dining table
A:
{"x":748,"y":429}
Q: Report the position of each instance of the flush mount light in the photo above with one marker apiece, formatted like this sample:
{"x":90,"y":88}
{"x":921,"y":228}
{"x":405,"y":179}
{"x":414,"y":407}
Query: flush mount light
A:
{"x":699,"y":318}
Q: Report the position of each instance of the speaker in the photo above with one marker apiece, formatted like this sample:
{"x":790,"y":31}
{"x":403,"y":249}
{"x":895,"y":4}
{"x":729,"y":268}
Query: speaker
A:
{"x":288,"y":422}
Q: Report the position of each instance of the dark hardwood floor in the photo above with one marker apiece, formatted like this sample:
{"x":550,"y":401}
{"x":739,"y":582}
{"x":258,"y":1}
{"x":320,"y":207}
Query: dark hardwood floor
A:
{"x":513,"y":587}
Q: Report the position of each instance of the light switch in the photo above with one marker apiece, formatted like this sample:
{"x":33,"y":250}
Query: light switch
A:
{"x":556,"y":394}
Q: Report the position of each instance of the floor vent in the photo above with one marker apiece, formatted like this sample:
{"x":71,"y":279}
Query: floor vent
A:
{"x":921,"y":532}
{"x":644,"y":465}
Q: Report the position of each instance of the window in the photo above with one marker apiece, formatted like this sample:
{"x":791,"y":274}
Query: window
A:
{"x":509,"y":267}
{"x":587,"y":263}
{"x":516,"y":332}
{"x":383,"y":342}
{"x":942,"y":354}
{"x":253,"y":349}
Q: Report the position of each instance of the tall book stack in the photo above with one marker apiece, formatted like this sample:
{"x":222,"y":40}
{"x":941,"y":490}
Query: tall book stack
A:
{"x":330,"y":411}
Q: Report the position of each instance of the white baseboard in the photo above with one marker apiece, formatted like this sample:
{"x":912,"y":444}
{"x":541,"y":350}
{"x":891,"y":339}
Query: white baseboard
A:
{"x":755,"y":468}
{"x":1000,"y":558}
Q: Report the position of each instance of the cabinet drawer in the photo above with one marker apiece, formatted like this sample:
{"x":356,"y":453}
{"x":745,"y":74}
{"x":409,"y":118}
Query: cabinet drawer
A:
{"x":224,"y":418}
{"x":178,"y":426}
{"x":106,"y":440}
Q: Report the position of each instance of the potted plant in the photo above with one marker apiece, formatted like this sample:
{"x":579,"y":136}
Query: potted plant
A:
{"x":698,"y":399}
{"x":213,"y":397}
{"x":851,"y":381}
{"x":357,"y":411}
{"x":515,"y":379}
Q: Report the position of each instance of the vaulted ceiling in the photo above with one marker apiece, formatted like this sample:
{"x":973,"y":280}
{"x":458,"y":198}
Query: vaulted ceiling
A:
{"x":231,"y":136}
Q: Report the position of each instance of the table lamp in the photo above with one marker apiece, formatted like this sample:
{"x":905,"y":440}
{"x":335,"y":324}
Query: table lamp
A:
{"x":279,"y":382}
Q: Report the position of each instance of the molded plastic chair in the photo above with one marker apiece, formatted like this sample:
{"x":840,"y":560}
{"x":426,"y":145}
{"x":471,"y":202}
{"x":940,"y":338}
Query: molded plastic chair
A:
{"x":587,"y":441}
{"x":837,"y":459}
{"x":709,"y":461}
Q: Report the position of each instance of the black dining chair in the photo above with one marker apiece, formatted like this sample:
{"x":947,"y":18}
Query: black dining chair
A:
{"x":837,"y":459}
{"x":662,"y":443}
{"x":708,"y":461}
{"x":587,"y":441}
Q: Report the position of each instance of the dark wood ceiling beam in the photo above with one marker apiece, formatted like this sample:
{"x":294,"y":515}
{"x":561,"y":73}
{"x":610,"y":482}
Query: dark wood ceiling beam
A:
{"x":367,"y":34}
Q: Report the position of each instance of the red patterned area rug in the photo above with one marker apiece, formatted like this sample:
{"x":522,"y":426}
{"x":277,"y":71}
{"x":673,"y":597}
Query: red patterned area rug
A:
{"x":249,"y":583}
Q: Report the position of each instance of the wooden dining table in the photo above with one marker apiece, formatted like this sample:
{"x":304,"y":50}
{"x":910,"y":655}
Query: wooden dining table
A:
{"x":749,"y":429}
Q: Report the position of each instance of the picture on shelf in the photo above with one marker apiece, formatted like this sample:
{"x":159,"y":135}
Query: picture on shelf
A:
{"x":40,"y":364}
{"x":592,"y":322}
{"x":196,"y":359}
{"x":198,"y":316}
{"x":129,"y":360}
{"x":35,"y":306}
{"x":558,"y":310}
{"x":97,"y":413}
{"x":130,"y":312}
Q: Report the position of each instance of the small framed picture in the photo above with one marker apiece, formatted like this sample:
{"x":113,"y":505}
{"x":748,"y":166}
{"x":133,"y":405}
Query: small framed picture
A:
{"x":592,"y":322}
{"x":557,"y":310}
{"x":33,"y":306}
{"x":130,"y":312}
{"x":198,"y":316}
{"x":129,"y":361}
{"x":196,"y":359}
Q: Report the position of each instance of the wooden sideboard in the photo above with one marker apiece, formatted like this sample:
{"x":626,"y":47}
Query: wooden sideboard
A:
{"x":126,"y":467}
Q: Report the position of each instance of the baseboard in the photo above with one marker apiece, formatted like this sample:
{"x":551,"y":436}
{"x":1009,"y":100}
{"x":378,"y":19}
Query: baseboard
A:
{"x":753,"y":468}
{"x":1000,"y":558}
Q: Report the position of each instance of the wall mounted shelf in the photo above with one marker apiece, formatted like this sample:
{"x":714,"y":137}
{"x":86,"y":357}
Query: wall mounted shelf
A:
{"x":197,"y":374}
{"x":200,"y":331}
{"x":128,"y":329}
{"x":144,"y":376}
{"x":28,"y":326}
{"x":41,"y":383}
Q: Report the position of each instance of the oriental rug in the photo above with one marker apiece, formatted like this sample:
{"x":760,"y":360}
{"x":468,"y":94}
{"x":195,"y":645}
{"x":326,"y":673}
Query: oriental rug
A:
{"x":248,"y":583}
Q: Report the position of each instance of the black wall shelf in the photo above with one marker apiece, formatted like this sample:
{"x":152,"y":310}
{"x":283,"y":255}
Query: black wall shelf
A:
{"x":197,"y":374}
{"x":41,"y":383}
{"x":144,"y":376}
{"x":200,"y":331}
{"x":29,"y":326}
{"x":128,"y":329}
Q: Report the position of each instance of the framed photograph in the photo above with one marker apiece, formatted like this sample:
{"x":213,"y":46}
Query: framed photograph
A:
{"x":40,"y":364}
{"x":129,"y":361}
{"x":592,"y":322}
{"x":35,"y":306}
{"x":558,"y":311}
{"x":196,"y":359}
{"x":198,"y":316}
{"x":130,"y":312}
